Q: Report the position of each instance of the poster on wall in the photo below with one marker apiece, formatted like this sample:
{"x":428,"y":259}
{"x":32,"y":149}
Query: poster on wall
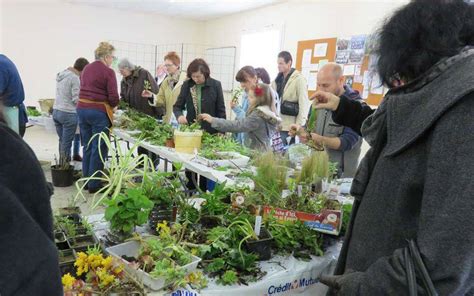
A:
{"x":356,"y":56}
{"x":306,"y":58}
{"x":370,"y":43}
{"x":358,"y":42}
{"x":342,"y":57}
{"x":320,"y":50}
{"x":343,"y":44}
{"x":348,"y":70}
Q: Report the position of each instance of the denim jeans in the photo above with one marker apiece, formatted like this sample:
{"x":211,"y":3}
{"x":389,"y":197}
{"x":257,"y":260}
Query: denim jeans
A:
{"x":66,"y":125}
{"x":77,"y":145}
{"x":93,"y":122}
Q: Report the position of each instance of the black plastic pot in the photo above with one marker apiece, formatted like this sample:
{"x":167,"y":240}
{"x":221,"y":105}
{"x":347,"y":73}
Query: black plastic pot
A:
{"x":66,"y":261}
{"x":60,"y":240}
{"x":61,"y":177}
{"x":81,"y":243}
{"x":210,"y":221}
{"x":263,"y":246}
{"x":157,"y":215}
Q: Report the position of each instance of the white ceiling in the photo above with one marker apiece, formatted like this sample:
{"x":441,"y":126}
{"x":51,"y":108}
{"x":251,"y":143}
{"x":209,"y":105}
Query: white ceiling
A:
{"x":190,"y":9}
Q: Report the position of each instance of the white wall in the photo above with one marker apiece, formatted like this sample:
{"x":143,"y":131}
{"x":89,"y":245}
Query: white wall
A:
{"x":45,"y":37}
{"x":302,"y":20}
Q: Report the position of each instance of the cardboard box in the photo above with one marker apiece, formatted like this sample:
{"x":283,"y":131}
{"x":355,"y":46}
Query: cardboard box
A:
{"x":328,"y":221}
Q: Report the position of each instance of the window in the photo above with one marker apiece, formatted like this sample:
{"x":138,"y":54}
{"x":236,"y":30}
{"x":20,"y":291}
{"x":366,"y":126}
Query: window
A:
{"x":260,"y":49}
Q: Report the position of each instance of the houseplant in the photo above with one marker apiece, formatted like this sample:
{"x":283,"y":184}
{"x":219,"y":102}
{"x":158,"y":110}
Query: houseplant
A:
{"x":62,"y":172}
{"x":126,"y":211}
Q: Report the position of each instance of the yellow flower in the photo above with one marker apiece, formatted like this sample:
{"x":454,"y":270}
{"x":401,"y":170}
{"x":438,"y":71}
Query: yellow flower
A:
{"x":107,"y":262}
{"x":117,"y":270}
{"x":163,"y":228}
{"x":104,"y":277}
{"x":95,"y":260}
{"x":67,"y":280}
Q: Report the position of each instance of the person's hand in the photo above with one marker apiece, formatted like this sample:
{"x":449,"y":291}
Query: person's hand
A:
{"x":233,"y":104}
{"x":325,"y":100}
{"x":341,"y":284}
{"x":182,"y":120}
{"x":206,"y":117}
{"x":147,"y":94}
{"x":303,"y":136}
{"x":317,"y":139}
{"x":115,"y":109}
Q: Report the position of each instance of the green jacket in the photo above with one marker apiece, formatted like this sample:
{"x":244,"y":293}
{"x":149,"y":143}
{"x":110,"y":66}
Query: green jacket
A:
{"x":167,"y":96}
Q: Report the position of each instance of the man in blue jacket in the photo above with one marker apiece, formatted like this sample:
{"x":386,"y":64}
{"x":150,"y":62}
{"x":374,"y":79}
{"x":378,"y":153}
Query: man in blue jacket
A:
{"x":12,"y":93}
{"x":342,"y":144}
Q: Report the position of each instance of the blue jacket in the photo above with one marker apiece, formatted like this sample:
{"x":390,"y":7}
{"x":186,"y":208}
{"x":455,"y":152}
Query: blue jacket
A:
{"x":11,"y":88}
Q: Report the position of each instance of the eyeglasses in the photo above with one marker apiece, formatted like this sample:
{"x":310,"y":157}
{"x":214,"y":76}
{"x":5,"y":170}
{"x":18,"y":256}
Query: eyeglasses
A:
{"x":169,"y":65}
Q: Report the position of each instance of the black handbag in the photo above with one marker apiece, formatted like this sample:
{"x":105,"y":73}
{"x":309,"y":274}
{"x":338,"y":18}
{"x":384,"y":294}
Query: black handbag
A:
{"x":290,"y":108}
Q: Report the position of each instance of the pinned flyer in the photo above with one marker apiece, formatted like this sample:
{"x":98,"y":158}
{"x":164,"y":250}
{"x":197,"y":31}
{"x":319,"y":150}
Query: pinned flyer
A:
{"x":320,"y":50}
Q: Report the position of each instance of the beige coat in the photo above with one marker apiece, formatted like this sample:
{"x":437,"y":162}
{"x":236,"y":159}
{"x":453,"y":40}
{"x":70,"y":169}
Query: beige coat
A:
{"x":295,"y":91}
{"x":166,"y":96}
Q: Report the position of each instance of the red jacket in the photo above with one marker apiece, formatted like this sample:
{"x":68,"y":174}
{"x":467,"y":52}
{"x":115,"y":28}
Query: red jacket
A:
{"x":98,"y":83}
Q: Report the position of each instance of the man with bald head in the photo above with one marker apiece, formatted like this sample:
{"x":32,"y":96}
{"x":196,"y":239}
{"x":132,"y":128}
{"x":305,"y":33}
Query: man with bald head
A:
{"x":341,"y":143}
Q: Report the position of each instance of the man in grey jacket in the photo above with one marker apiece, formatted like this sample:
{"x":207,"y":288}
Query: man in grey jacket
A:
{"x":64,"y":109}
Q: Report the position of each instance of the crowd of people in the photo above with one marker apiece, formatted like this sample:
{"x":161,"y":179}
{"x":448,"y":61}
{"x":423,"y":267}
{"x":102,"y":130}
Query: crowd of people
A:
{"x":413,"y":190}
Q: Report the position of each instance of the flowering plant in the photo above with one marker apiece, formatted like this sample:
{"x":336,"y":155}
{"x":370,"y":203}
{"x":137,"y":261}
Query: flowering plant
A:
{"x":95,"y":273}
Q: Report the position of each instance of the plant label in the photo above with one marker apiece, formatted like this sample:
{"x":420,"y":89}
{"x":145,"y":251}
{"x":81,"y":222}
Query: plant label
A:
{"x":258,"y":225}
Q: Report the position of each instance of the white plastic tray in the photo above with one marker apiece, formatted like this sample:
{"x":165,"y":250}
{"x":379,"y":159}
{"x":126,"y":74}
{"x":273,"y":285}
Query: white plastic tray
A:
{"x":131,"y":249}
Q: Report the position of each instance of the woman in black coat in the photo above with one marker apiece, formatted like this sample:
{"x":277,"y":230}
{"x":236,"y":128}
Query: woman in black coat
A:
{"x":28,"y":255}
{"x":200,"y":94}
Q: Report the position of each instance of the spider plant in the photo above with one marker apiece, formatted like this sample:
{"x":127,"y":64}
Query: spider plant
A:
{"x":124,"y":168}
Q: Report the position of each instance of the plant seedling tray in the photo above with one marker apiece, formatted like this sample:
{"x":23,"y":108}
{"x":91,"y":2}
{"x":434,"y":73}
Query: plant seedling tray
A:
{"x":60,"y":240}
{"x":81,"y":243}
{"x":69,"y":210}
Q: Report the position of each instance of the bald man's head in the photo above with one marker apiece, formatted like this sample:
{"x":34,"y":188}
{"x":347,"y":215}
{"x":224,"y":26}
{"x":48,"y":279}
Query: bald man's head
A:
{"x":330,"y":79}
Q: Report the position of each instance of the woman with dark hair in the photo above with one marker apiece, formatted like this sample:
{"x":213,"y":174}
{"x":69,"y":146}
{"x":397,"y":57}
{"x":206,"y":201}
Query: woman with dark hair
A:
{"x":200,"y":94}
{"x":413,"y":190}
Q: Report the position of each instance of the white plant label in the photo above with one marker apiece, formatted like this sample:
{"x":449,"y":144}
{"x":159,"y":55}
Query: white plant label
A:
{"x":258,"y":225}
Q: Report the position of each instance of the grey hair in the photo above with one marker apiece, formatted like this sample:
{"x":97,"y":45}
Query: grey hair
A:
{"x":126,"y":64}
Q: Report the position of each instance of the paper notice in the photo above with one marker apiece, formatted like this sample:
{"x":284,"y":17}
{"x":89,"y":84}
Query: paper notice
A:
{"x":366,"y":80}
{"x":348,"y":70}
{"x":313,"y":81}
{"x":320,"y":50}
{"x":358,"y":69}
{"x":358,"y":42}
{"x":358,"y":79}
{"x":342,"y":57}
{"x":376,"y":85}
{"x":314,"y":67}
{"x":306,"y":58}
{"x":365,"y":93}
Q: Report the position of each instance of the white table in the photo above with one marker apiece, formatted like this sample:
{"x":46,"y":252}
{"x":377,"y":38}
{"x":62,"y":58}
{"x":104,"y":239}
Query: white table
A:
{"x":286,"y":275}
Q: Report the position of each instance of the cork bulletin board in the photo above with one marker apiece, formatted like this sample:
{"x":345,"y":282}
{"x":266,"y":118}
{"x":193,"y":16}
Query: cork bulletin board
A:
{"x":352,"y":53}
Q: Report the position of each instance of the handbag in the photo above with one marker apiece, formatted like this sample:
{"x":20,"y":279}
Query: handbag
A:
{"x":290,"y":108}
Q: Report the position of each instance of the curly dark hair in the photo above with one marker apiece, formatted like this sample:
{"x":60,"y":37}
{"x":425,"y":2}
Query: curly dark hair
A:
{"x":199,"y":65}
{"x":420,"y":34}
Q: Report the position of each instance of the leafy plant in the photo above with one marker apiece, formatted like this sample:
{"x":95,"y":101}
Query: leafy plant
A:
{"x":228,"y":278}
{"x":121,"y":173}
{"x":128,"y":210}
{"x":163,"y":188}
{"x":270,"y":178}
{"x":33,"y":112}
{"x":190,"y":128}
{"x":314,"y":168}
{"x":146,"y":85}
{"x":212,"y":143}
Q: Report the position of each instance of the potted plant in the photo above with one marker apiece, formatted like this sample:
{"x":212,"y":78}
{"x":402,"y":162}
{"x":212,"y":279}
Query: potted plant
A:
{"x":62,"y":172}
{"x":258,"y":244}
{"x":122,"y":172}
{"x":66,"y":260}
{"x":314,"y":169}
{"x":125,"y":212}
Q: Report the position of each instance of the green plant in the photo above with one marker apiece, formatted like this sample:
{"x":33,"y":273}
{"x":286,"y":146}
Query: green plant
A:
{"x":163,"y":188}
{"x":190,"y":128}
{"x":128,"y":210}
{"x":146,"y":85}
{"x":62,"y":163}
{"x":67,"y":225}
{"x":33,"y":112}
{"x":212,"y":143}
{"x":228,"y":278}
{"x":121,"y":173}
{"x":314,"y":168}
{"x":270,"y":178}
